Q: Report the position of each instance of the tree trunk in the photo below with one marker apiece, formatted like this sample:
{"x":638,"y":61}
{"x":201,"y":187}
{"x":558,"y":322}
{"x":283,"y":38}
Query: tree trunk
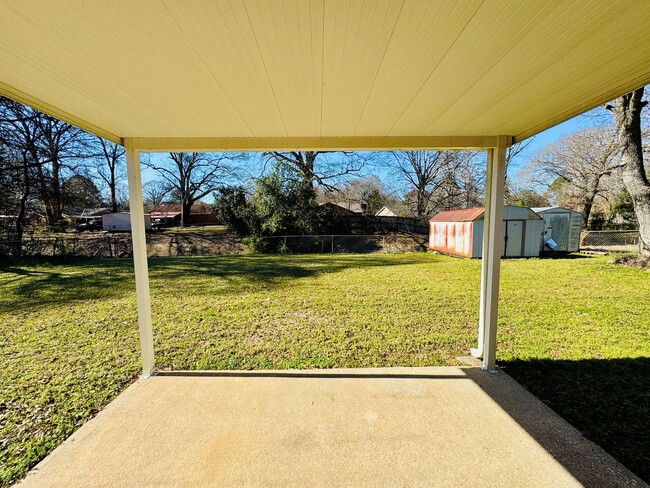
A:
{"x":310,"y":161}
{"x":44,"y":195}
{"x":627,"y":113}
{"x":588,"y":205}
{"x":20,"y":219}
{"x":186,"y":209}
{"x":56,"y":200}
{"x":113,"y":198}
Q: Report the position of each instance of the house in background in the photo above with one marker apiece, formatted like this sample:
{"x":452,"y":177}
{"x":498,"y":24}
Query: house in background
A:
{"x":460,"y":232}
{"x":200,"y":214}
{"x":165,"y":219}
{"x":385,"y":212}
{"x":94,"y":212}
{"x":337,"y":209}
{"x":357,"y":208}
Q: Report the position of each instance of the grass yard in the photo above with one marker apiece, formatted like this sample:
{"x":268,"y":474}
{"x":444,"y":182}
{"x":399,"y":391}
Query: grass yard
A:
{"x":575,"y":331}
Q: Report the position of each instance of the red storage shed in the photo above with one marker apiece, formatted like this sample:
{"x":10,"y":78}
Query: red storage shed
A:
{"x":460,"y":232}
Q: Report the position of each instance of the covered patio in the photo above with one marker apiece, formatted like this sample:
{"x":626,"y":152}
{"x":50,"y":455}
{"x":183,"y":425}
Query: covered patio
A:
{"x":437,"y":426}
{"x":168,"y":75}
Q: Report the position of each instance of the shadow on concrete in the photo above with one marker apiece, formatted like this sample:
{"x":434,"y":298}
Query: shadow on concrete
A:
{"x":607,"y":400}
{"x":309,"y":375}
{"x":258,"y":423}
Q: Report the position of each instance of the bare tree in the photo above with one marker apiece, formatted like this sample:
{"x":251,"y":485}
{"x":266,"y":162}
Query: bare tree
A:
{"x":155,"y":192}
{"x":62,"y":149}
{"x":513,"y":153}
{"x":320,"y":168}
{"x":15,"y":195}
{"x":627,"y":112}
{"x":580,"y":162}
{"x":110,"y":168}
{"x":19,"y":158}
{"x":465,"y":185}
{"x":369,"y":192}
{"x":516,"y":150}
{"x":192,"y":176}
{"x":426,"y":173}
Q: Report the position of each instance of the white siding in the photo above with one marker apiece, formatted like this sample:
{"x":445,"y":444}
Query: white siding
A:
{"x":121,"y":222}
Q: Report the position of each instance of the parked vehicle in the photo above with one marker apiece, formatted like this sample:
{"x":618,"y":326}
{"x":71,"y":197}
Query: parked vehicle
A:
{"x":90,"y":225}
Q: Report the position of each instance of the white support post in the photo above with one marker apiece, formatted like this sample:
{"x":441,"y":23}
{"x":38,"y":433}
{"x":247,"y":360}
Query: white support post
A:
{"x":492,"y":250}
{"x":138,"y":238}
{"x":478,"y":352}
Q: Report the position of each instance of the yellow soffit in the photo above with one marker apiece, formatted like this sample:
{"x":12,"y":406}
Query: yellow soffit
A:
{"x":321,"y":74}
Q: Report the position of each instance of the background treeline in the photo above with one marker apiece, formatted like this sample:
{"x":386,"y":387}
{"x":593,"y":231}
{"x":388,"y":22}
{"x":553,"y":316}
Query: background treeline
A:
{"x":50,"y":171}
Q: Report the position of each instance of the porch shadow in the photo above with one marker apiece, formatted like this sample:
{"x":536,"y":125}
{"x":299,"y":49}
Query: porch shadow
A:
{"x":607,"y":400}
{"x":348,"y":374}
{"x":385,"y":427}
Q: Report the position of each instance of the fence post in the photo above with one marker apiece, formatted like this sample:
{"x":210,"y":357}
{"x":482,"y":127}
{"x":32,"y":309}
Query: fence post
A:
{"x":332,"y":244}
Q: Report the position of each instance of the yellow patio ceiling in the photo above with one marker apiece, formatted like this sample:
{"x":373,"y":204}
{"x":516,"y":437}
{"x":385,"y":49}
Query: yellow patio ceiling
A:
{"x":280,"y":72}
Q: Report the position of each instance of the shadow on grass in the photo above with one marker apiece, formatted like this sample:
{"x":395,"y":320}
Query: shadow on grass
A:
{"x":608,"y":400}
{"x":31,"y":286}
{"x":46,"y":282}
{"x":563,"y":255}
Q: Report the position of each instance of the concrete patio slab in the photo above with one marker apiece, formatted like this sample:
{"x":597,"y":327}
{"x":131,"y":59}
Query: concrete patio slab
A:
{"x":439,"y":426}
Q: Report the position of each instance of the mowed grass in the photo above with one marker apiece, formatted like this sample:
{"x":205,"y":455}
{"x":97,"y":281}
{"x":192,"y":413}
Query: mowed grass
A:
{"x":575,"y":331}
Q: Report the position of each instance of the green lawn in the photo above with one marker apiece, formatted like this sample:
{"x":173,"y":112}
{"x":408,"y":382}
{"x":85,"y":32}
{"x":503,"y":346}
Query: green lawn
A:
{"x":575,"y":331}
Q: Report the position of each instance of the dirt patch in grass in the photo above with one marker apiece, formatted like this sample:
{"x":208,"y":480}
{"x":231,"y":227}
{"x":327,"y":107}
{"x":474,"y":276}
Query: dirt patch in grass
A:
{"x":633,"y":261}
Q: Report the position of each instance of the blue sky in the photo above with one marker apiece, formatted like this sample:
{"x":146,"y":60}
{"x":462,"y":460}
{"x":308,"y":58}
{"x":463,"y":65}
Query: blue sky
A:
{"x":540,"y":141}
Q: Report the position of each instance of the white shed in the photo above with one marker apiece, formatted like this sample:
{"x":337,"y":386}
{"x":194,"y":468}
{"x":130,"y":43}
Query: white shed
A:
{"x":121,"y":222}
{"x":562,"y":228}
{"x":460,"y":232}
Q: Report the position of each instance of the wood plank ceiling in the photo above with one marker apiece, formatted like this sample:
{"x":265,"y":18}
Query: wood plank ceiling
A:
{"x":321,"y":68}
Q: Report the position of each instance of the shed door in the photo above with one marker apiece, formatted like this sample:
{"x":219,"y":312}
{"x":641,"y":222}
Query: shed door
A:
{"x":513,"y":237}
{"x":560,"y":231}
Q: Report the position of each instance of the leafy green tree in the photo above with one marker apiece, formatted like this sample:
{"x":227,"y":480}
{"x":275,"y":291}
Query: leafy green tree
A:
{"x":286,"y":204}
{"x":374,"y":201}
{"x":623,"y":208}
{"x":527,"y":197}
{"x":234,"y":210}
{"x":79,"y":192}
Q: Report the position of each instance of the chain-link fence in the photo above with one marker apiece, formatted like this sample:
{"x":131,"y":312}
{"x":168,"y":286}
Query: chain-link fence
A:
{"x":610,"y":240}
{"x":342,"y":244}
{"x":187,"y":244}
{"x":103,"y":246}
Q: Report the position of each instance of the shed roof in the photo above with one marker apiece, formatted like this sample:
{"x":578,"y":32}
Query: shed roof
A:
{"x":458,"y":215}
{"x":510,"y":212}
{"x":552,"y":209}
{"x":339,"y":74}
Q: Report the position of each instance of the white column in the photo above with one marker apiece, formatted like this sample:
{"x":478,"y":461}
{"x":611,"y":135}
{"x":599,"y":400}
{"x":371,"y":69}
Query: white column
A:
{"x":138,"y":238}
{"x":492,"y":244}
{"x":478,"y":352}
